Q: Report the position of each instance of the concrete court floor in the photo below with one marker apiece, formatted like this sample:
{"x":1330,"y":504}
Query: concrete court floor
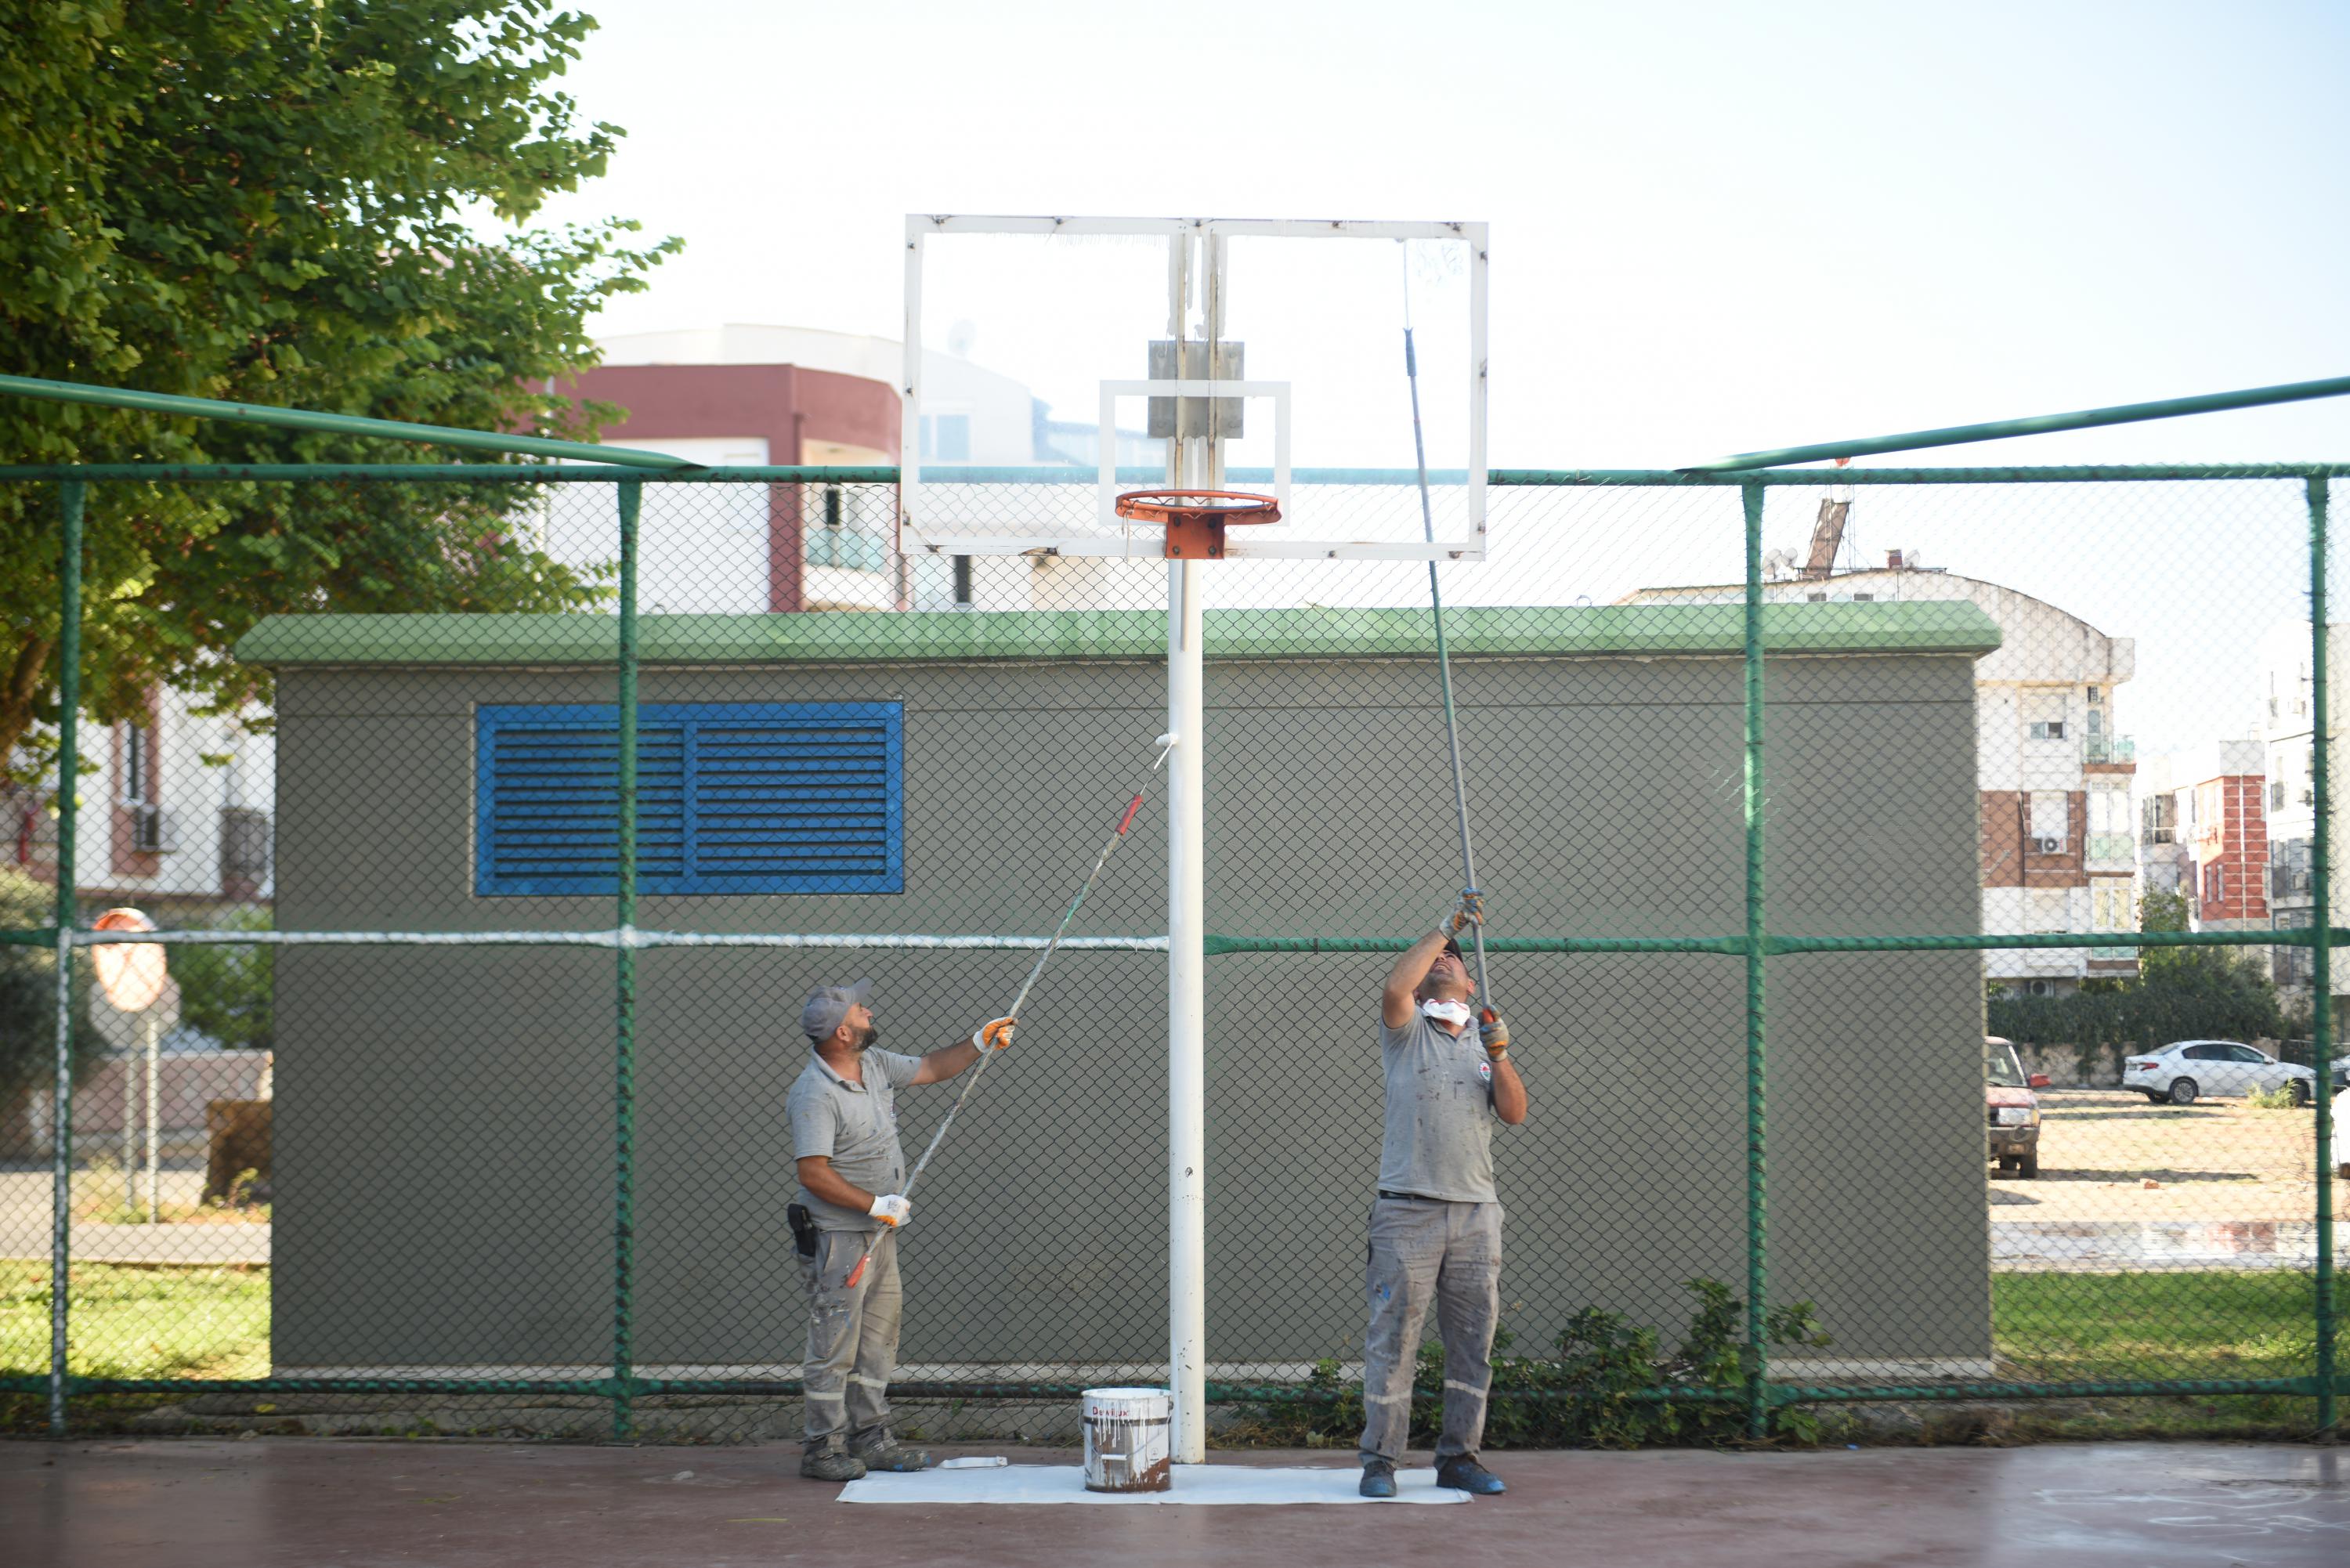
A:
{"x":263,"y":1504}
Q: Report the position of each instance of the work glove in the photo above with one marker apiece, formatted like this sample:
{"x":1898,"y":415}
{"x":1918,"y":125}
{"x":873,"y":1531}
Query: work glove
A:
{"x":1471,"y":911}
{"x":1496,"y":1036}
{"x":992,"y":1035}
{"x":892,"y":1210}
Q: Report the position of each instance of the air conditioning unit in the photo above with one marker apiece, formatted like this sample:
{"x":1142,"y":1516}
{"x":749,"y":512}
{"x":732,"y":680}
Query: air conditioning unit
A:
{"x":2047,"y":845}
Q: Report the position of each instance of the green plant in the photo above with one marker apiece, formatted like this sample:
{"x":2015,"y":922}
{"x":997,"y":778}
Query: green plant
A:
{"x":228,"y":992}
{"x":28,"y":996}
{"x":1610,"y":1385}
{"x":2280,"y":1098}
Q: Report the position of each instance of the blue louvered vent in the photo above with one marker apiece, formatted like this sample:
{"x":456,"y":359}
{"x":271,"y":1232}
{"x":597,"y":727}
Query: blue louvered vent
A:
{"x":799,"y":797}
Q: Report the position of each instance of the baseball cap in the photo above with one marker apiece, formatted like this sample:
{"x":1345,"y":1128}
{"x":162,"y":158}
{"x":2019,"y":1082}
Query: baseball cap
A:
{"x":829,"y":1004}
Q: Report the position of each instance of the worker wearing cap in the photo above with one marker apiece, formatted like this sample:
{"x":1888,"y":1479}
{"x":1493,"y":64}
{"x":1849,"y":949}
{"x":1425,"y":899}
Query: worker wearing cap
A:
{"x":1436,"y":1228}
{"x":844,"y":1121}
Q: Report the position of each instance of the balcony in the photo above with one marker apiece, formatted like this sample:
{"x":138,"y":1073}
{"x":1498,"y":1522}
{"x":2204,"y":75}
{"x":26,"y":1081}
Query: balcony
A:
{"x":848,"y":548}
{"x":2111,"y":749}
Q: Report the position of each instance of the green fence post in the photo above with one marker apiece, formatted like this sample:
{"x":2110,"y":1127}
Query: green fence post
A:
{"x":1758,"y":1358}
{"x":624,"y":1088}
{"x":2321,"y":993}
{"x":71,"y":496}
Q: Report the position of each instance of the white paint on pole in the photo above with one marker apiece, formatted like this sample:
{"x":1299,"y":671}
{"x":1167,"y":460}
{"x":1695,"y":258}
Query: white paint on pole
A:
{"x":1187,"y":1173}
{"x":154,"y":1133}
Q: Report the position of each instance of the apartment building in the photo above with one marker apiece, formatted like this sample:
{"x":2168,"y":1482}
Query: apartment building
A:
{"x":2054,"y":772}
{"x":2283,"y":708}
{"x":2203,"y":832}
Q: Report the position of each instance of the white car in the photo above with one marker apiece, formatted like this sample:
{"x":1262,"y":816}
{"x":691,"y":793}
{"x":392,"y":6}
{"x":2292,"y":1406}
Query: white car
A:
{"x":2186,"y":1070}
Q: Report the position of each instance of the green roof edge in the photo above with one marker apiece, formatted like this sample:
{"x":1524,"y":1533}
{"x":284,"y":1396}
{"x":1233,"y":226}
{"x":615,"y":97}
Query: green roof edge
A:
{"x":1930,"y":626}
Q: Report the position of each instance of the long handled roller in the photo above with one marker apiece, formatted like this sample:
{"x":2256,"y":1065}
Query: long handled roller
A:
{"x":1166,"y":744}
{"x":1469,"y":893}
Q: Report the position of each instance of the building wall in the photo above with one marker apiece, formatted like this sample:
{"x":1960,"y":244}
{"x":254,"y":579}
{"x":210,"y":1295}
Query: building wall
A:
{"x":444,"y":1153}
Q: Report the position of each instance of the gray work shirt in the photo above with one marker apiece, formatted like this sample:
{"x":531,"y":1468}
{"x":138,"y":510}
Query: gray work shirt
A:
{"x":1440,"y":1129}
{"x":853,"y":1125}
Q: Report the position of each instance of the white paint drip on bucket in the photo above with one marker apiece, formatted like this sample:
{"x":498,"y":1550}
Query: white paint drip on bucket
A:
{"x":1128,"y":1439}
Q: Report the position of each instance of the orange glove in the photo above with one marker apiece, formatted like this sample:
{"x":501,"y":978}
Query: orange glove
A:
{"x":1471,"y":911}
{"x":993,"y":1035}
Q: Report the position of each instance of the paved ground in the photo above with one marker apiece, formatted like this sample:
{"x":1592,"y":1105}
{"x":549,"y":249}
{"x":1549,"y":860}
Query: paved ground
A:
{"x":262,"y":1503}
{"x":2215,"y":1159}
{"x":25,"y":1197}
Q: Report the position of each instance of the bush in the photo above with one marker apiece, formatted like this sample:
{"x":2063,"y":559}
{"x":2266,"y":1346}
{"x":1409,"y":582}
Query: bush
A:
{"x":229,"y":992}
{"x":28,"y":996}
{"x":1611,"y":1385}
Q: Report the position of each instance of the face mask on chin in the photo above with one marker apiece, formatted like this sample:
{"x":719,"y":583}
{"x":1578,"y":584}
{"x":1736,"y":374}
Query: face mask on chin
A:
{"x":1454,"y":1013}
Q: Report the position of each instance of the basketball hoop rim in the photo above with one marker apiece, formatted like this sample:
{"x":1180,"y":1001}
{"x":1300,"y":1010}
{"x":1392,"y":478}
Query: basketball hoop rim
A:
{"x":1166,"y":506}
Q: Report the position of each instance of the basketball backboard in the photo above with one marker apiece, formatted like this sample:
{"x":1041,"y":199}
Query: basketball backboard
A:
{"x":1053,"y":362}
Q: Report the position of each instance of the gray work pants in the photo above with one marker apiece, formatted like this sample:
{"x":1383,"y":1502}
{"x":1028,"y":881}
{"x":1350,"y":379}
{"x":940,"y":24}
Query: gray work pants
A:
{"x":852,"y":1338}
{"x":1425,"y":1250}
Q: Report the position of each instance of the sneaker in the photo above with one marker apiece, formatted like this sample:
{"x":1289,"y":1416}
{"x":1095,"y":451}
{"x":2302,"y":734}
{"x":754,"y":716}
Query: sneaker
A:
{"x":1379,"y":1479}
{"x":1462,"y":1473}
{"x":829,"y":1464}
{"x":888,"y":1455}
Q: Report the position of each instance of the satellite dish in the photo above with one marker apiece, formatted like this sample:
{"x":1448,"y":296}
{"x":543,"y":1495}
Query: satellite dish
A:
{"x":131,"y":975}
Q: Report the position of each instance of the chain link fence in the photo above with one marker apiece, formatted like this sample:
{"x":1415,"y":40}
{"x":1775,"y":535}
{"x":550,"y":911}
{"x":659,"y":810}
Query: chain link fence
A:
{"x":1900,"y":885}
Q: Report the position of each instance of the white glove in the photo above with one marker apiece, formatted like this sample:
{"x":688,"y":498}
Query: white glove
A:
{"x":892,"y":1210}
{"x":993,"y":1035}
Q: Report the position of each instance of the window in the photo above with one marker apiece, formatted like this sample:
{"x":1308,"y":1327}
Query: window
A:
{"x":2109,"y":905}
{"x":2207,"y":1053}
{"x":2246,"y":1053}
{"x":2048,"y":729}
{"x":2276,"y":794}
{"x":946,"y":438}
{"x":138,"y":764}
{"x":772,"y":797}
{"x":2097,"y":693}
{"x":2215,"y":885}
{"x":1816,"y":599}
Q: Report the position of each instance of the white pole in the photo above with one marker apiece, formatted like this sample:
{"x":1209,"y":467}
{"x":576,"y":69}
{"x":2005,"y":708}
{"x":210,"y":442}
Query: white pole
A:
{"x":130,"y":1134}
{"x":1187,"y":1184}
{"x":152,"y":1033}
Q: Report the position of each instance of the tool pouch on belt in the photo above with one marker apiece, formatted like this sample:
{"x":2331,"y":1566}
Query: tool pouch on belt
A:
{"x":804,"y":1229}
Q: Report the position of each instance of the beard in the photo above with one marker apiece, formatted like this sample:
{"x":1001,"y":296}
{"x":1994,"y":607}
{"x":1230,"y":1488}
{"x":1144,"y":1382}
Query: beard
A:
{"x":871,"y":1032}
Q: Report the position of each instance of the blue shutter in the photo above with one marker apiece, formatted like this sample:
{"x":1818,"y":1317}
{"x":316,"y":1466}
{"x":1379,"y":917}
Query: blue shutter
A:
{"x":799,"y":797}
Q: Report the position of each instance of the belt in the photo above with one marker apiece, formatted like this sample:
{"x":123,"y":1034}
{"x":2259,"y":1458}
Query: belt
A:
{"x":1409,"y":1197}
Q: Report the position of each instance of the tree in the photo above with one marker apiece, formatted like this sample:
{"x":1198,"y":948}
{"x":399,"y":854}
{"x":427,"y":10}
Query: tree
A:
{"x":28,"y":1006}
{"x":2182,"y":993}
{"x":230,"y":992}
{"x":265,"y":201}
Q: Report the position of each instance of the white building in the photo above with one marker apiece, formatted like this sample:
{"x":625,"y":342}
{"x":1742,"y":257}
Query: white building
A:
{"x":175,"y":820}
{"x":2058,"y":839}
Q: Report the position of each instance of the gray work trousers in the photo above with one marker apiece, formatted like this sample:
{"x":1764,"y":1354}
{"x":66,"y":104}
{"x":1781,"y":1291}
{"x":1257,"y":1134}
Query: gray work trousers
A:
{"x":852,"y":1339}
{"x":1423,"y":1249}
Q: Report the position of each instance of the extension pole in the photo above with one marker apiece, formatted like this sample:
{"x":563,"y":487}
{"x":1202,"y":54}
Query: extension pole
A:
{"x":1444,"y":665}
{"x":71,"y":496}
{"x":1035,"y":971}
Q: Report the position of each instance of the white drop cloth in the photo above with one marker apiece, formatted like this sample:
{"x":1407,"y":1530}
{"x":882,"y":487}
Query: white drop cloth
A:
{"x":1224,"y":1483}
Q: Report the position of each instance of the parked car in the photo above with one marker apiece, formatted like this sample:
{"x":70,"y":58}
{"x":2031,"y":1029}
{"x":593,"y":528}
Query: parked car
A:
{"x":2186,"y":1070}
{"x":2011,"y":1110}
{"x":2342,"y":1072}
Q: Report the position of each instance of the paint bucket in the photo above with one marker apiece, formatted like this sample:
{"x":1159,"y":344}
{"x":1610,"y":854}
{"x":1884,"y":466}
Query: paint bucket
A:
{"x":1128,"y":1436}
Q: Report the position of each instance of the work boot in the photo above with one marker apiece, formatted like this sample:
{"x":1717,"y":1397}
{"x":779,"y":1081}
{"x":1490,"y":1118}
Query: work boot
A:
{"x":1379,"y":1479}
{"x":887,"y":1455}
{"x":830,"y":1463}
{"x":1462,"y":1473}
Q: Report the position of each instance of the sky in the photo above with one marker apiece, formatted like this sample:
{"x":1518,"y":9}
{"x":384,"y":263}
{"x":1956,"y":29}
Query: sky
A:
{"x":1715,"y":228}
